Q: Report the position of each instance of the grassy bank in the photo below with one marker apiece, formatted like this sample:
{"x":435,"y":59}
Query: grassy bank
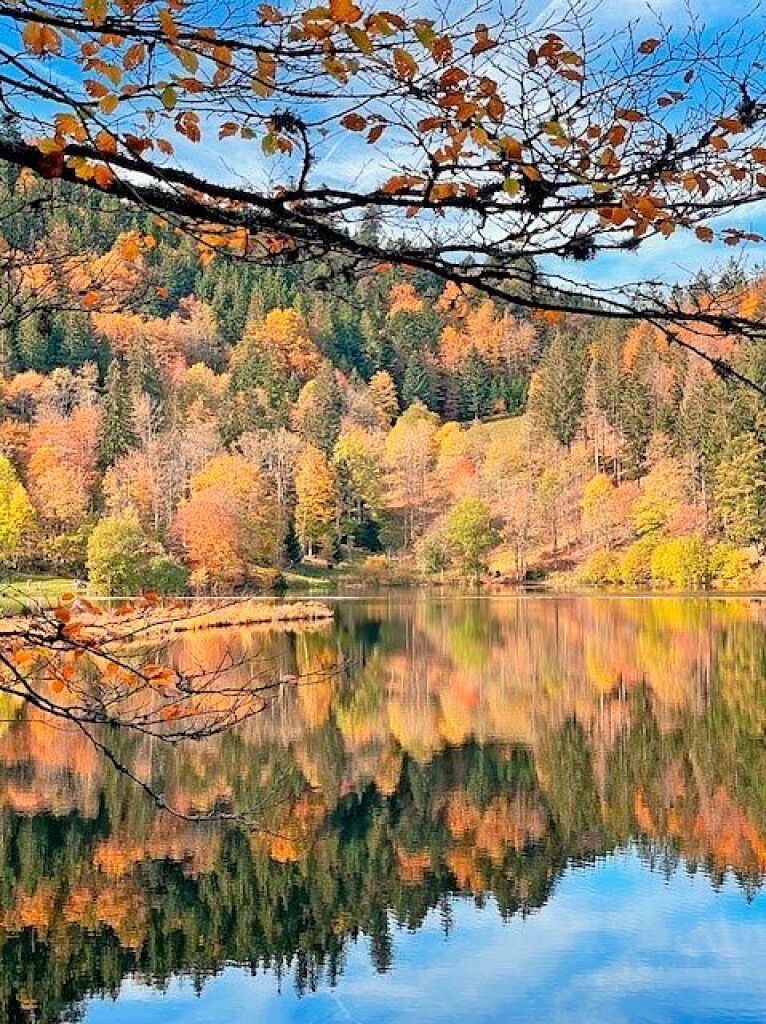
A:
{"x":209,"y":615}
{"x":26,"y":592}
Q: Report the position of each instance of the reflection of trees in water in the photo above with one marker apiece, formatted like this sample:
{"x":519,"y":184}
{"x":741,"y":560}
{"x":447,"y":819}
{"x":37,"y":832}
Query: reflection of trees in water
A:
{"x":474,"y":752}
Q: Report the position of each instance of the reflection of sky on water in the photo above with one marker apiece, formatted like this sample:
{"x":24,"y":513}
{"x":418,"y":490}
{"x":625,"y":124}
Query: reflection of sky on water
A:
{"x":617,"y":943}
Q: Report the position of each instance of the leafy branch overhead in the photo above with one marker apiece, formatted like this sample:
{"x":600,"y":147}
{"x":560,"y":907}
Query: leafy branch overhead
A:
{"x":486,"y":143}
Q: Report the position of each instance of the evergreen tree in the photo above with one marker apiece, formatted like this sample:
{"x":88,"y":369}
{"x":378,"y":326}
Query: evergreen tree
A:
{"x":475,"y":386}
{"x":559,"y":387}
{"x":740,"y":490}
{"x":418,"y":383}
{"x":116,"y":432}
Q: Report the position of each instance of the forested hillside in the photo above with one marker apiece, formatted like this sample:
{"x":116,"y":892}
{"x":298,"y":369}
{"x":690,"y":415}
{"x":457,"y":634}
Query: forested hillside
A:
{"x":176,"y":420}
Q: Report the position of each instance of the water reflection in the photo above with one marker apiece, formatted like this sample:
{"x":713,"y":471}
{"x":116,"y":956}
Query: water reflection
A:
{"x":476,"y":749}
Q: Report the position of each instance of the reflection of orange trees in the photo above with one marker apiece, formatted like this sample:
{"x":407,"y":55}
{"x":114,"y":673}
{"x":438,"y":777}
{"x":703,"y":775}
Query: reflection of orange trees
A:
{"x":583,"y":726}
{"x":298,"y":828}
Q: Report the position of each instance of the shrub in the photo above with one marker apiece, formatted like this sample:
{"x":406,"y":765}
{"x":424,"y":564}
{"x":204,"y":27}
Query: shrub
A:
{"x":123,"y":560}
{"x":729,"y":567}
{"x":681,"y":563}
{"x":166,"y":576}
{"x":600,"y":569}
{"x":635,"y":567}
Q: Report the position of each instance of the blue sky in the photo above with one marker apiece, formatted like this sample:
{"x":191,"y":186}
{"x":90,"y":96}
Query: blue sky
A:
{"x":616,"y":943}
{"x":347,"y":159}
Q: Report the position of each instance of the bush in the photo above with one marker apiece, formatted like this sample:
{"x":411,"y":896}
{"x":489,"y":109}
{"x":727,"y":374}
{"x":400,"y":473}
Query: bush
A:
{"x":601,"y":568}
{"x":729,"y":567}
{"x":635,"y":567}
{"x":166,"y":576}
{"x":681,"y":563}
{"x":118,"y":556}
{"x":123,"y":560}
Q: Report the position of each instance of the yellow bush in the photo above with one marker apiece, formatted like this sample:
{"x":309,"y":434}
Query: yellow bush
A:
{"x":601,"y":568}
{"x":681,"y":563}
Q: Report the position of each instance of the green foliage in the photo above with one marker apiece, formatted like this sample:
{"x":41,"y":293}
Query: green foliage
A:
{"x":434,"y":549}
{"x":559,"y":389}
{"x":165,"y":575}
{"x":469,"y":530}
{"x":740,"y":490}
{"x":120,"y":556}
{"x":116,"y":431}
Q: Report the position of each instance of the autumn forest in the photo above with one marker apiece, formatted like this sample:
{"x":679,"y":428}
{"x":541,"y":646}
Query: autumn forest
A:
{"x":205,"y":425}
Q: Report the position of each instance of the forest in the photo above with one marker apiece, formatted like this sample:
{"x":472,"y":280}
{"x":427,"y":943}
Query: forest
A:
{"x":182,"y":422}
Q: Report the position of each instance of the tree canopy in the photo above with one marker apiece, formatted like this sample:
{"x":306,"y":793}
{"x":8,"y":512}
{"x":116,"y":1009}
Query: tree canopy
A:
{"x":480,"y":143}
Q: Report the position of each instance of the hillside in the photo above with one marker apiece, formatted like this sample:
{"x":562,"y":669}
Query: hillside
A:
{"x":175,"y":420}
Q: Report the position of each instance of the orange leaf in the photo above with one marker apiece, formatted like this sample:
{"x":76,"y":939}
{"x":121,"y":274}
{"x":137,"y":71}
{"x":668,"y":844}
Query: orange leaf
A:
{"x":344,"y":12}
{"x":41,"y":38}
{"x":649,"y":46}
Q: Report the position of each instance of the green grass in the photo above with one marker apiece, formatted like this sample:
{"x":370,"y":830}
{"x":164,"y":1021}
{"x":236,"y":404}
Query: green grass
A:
{"x":32,"y":591}
{"x":311,"y":576}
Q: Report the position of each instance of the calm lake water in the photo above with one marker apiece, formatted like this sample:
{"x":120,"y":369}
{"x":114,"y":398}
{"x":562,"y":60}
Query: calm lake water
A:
{"x":500,"y":809}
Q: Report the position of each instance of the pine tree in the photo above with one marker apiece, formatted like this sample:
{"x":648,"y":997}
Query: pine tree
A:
{"x":740,"y":490}
{"x":475,"y":381}
{"x":116,"y":431}
{"x":418,"y":383}
{"x":558,"y":395}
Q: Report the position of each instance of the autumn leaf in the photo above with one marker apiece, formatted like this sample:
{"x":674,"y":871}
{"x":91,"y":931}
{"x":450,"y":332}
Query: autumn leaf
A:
{"x":269,"y":14}
{"x":405,"y":64}
{"x":95,"y":10}
{"x":649,"y":46}
{"x":167,"y":24}
{"x":354,"y":122}
{"x":41,"y":39}
{"x":511,"y":148}
{"x":704,"y":234}
{"x":169,"y":97}
{"x":344,"y":12}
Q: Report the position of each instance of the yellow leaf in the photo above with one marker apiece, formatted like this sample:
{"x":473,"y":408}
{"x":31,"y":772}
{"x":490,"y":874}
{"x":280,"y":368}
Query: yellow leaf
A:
{"x":109,"y":103}
{"x":169,"y":97}
{"x":188,"y":59}
{"x":405,"y":64}
{"x":359,"y":38}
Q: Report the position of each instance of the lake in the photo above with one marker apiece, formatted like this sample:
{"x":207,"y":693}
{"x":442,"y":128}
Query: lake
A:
{"x":489,"y":809}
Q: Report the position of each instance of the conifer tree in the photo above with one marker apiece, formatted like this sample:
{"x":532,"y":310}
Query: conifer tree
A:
{"x":116,"y":432}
